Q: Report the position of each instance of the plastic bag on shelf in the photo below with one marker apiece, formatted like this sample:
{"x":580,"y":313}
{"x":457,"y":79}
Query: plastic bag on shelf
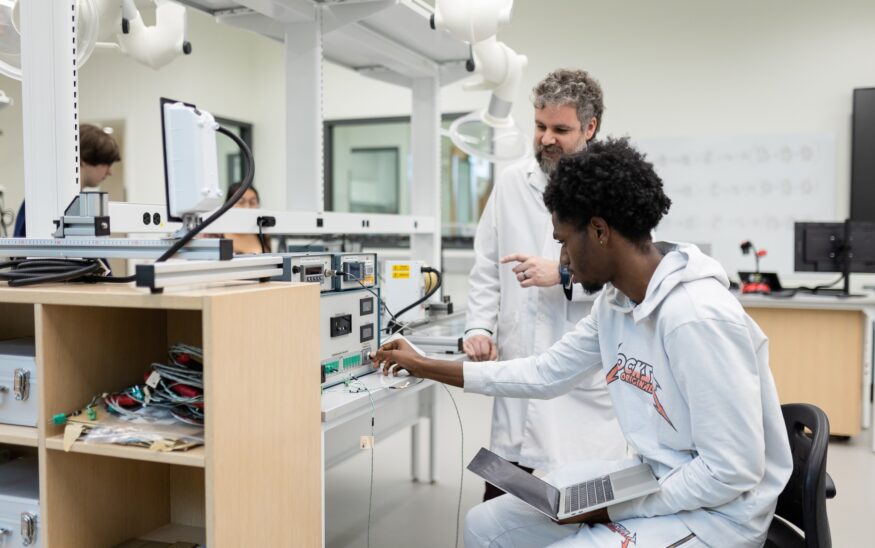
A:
{"x":165,"y":413}
{"x":157,"y":430}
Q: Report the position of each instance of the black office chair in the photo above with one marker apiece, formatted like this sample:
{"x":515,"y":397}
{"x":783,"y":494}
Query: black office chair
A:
{"x":803,"y":501}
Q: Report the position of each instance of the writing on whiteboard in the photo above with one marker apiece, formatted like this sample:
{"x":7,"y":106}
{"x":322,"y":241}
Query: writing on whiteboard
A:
{"x":725,"y":190}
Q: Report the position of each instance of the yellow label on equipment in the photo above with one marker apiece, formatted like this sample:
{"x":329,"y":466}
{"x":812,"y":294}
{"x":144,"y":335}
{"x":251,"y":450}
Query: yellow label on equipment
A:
{"x":401,"y":271}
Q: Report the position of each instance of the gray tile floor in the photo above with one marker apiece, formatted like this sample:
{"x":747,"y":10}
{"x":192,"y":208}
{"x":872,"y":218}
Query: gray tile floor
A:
{"x":408,"y":514}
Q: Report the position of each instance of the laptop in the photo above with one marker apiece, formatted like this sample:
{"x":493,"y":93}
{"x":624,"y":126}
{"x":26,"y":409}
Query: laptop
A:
{"x":566,"y":502}
{"x":769,"y":278}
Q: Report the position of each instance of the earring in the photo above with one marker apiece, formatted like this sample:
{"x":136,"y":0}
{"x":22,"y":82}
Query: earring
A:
{"x":601,"y":242}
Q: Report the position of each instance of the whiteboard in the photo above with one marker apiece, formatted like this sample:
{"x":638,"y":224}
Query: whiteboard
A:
{"x":727,"y":190}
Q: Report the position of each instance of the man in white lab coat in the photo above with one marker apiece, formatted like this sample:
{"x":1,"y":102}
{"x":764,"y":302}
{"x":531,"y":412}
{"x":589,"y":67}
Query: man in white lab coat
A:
{"x":517,"y":302}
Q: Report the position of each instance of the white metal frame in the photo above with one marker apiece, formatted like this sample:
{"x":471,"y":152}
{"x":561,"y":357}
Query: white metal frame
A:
{"x":51,"y":118}
{"x":49,"y":111}
{"x":131,"y":218}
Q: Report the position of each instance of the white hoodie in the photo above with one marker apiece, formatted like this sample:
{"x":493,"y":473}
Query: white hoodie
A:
{"x":687,"y":370}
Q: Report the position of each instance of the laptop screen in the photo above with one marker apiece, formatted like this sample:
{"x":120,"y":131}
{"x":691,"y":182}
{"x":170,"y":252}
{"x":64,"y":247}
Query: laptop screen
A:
{"x":769,"y":278}
{"x":518,"y":483}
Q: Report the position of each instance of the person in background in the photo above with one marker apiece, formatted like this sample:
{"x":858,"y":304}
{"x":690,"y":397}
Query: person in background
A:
{"x":518,"y":304}
{"x":247,"y":244}
{"x":97,"y":152}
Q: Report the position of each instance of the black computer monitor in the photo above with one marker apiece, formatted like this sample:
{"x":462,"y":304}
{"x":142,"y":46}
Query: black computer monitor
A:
{"x":835,"y":247}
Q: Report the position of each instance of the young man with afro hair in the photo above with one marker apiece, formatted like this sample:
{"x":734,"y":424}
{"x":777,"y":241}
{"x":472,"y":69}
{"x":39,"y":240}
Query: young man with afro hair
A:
{"x":686,"y":368}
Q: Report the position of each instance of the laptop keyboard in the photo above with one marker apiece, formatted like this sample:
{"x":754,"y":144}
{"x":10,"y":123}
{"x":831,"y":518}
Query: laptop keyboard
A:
{"x":588,"y":493}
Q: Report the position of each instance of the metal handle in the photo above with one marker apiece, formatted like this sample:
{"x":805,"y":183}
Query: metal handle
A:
{"x":28,"y":528}
{"x":21,"y":384}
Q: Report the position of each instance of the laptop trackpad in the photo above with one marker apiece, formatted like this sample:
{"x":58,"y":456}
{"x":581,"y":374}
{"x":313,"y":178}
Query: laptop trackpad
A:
{"x":629,"y":478}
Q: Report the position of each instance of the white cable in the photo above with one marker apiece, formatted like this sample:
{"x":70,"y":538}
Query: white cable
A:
{"x":360,"y":384}
{"x":462,"y":454}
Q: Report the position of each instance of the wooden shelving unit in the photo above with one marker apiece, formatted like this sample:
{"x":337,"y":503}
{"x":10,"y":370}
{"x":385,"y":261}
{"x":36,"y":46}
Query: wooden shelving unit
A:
{"x":194,"y":457}
{"x":257,"y":480}
{"x":18,"y":435}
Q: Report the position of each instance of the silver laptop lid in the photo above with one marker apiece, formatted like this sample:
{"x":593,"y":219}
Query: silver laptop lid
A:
{"x":515,"y":481}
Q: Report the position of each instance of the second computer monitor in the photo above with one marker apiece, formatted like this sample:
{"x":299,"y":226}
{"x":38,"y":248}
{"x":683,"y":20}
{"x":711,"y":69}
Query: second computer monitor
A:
{"x":835,"y":247}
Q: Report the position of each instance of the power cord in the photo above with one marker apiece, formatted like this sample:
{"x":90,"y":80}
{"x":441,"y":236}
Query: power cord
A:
{"x":462,"y":455}
{"x":361,"y":386}
{"x":24,"y":272}
{"x":265,"y":221}
{"x":791,"y":292}
{"x":461,"y":452}
{"x":247,"y":183}
{"x":428,"y":294}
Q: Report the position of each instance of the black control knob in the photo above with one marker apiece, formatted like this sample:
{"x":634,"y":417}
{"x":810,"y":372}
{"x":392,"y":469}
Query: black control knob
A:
{"x":469,"y":64}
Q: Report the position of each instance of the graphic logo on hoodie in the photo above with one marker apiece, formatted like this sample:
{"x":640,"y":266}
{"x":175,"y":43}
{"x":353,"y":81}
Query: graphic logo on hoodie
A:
{"x":629,"y":538}
{"x":640,"y":375}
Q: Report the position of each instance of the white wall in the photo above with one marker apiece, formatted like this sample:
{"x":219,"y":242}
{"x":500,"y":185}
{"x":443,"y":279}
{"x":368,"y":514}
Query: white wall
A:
{"x":692,"y":68}
{"x":669,"y":68}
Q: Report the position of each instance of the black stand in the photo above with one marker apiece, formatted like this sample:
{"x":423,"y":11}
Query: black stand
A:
{"x":844,"y":253}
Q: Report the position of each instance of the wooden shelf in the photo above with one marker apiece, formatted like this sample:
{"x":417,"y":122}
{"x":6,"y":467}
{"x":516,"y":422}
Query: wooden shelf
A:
{"x":193,"y":457}
{"x":18,"y":435}
{"x":177,"y":533}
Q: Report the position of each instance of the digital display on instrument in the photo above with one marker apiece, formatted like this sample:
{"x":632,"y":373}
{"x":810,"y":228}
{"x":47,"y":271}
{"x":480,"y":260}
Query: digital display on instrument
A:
{"x":313,"y":270}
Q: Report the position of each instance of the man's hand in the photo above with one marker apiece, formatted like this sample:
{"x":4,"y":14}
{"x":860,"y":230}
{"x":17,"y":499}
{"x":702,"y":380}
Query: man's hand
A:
{"x":399,"y":354}
{"x":534,"y":271}
{"x":591,"y":518}
{"x":480,"y":348}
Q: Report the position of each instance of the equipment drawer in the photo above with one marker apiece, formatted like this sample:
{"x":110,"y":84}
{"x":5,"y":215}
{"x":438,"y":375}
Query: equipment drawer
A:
{"x":18,"y":382}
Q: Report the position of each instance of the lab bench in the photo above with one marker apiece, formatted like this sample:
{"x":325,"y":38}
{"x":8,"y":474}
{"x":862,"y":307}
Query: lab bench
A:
{"x":820,"y":352}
